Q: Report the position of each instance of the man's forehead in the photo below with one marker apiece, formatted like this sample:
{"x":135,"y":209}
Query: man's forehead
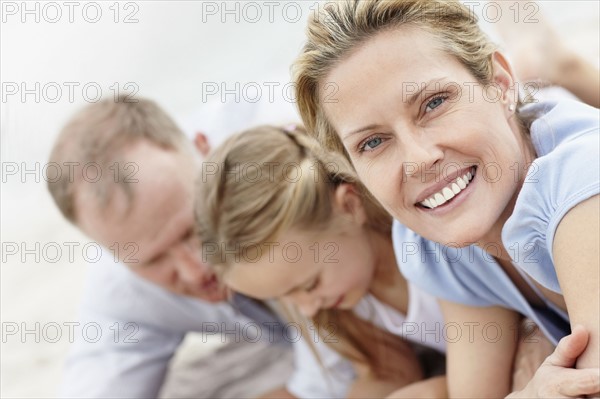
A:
{"x":137,"y":216}
{"x":100,"y":219}
{"x":154,"y":203}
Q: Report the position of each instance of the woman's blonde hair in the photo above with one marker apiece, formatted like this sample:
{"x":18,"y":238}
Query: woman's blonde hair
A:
{"x":269,"y":180}
{"x":339,"y":28}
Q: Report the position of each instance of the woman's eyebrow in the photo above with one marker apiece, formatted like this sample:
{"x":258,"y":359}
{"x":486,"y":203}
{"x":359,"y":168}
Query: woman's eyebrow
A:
{"x":360,"y":130}
{"x":410,"y":101}
{"x":424,"y":86}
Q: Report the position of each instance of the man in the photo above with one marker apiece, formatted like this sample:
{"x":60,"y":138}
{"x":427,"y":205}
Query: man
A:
{"x":139,"y":206}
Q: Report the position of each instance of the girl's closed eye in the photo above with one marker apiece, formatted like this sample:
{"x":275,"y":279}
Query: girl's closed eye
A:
{"x":313,"y":284}
{"x":155,"y":261}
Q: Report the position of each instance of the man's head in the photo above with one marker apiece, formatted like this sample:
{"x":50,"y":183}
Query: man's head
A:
{"x":127,"y":182}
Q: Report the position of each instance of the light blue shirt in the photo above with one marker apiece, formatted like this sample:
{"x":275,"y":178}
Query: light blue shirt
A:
{"x":565,"y":173}
{"x":468,"y":276}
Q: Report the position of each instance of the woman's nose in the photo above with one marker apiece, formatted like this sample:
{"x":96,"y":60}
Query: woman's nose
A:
{"x":420,"y":157}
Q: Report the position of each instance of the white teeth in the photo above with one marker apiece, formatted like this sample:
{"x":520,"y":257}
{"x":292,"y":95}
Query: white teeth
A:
{"x":448,"y":192}
{"x":439,"y":198}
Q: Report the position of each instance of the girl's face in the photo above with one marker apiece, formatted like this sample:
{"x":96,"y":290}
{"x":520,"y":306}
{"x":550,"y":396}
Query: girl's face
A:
{"x":441,"y":152}
{"x":313,"y":270}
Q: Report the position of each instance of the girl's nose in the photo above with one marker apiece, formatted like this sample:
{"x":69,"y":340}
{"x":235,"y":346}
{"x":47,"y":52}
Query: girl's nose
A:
{"x":306,"y":303}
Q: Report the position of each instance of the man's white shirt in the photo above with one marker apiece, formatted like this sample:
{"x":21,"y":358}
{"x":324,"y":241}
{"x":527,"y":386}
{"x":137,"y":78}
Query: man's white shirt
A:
{"x":136,"y":326}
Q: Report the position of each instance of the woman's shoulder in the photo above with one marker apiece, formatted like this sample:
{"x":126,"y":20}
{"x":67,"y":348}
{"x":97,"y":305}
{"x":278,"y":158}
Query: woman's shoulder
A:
{"x":565,"y":173}
{"x":557,"y":123}
{"x":566,"y":138}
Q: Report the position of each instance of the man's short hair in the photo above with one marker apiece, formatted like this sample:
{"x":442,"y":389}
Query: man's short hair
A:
{"x":96,"y":136}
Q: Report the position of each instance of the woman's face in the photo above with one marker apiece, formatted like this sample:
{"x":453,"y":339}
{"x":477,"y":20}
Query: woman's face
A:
{"x":311,"y":269}
{"x":441,"y":152}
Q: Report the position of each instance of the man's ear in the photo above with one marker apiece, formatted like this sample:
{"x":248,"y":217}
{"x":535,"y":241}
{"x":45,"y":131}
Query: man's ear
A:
{"x":348,"y":202}
{"x":201,"y":143}
{"x":504,"y":79}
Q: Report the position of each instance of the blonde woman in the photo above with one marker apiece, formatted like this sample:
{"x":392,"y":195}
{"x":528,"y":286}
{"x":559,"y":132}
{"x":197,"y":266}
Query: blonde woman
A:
{"x":427,"y":110}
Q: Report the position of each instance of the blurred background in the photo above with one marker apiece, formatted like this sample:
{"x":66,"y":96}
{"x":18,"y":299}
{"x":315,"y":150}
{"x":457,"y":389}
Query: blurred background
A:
{"x":200,"y":60}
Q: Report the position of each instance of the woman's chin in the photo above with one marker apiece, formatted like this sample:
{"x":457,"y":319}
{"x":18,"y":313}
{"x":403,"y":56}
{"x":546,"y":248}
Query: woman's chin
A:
{"x":455,"y":236}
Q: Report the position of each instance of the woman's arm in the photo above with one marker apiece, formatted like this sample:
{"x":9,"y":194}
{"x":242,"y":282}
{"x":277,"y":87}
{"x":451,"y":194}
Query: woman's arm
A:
{"x":280,"y":393}
{"x":532,"y":350}
{"x":483,"y":369}
{"x":577,"y":260}
{"x":480,"y":360}
{"x":367,"y":387}
{"x":431,"y":388}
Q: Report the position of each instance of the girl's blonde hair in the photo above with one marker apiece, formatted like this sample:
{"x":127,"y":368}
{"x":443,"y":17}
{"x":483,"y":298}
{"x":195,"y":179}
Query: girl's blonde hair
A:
{"x":269,"y":180}
{"x":339,"y":28}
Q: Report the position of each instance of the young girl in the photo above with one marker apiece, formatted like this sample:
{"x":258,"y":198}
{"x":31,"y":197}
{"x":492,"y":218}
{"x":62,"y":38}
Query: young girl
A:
{"x":284,"y":219}
{"x":290,"y":221}
{"x":428,"y":112}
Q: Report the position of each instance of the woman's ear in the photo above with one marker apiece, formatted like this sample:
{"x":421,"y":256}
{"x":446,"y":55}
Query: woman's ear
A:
{"x":348,"y":202}
{"x":504,"y":79}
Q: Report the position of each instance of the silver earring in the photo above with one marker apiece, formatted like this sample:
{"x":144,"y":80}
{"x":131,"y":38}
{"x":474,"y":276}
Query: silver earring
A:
{"x":511,"y":107}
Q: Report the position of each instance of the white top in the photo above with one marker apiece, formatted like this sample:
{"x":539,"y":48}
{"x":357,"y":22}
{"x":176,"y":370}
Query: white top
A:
{"x":423,"y":323}
{"x":328,"y":377}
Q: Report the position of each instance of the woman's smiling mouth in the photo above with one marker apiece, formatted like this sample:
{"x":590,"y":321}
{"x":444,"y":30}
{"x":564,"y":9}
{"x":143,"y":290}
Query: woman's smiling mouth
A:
{"x":448,"y":192}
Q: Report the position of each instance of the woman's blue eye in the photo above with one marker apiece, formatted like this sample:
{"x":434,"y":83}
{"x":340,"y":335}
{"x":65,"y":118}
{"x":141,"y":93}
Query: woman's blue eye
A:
{"x":434,"y":103}
{"x":372,"y":143}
